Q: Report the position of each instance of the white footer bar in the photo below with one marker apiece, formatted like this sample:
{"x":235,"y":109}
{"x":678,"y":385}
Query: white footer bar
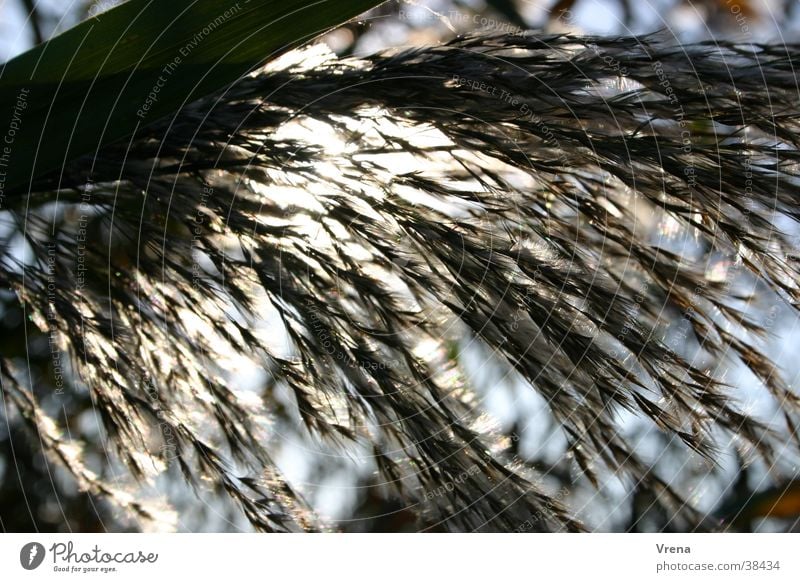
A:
{"x":401,"y":557}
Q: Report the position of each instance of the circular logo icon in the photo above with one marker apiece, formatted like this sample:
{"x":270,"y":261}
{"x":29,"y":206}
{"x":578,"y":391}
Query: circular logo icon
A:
{"x":31,"y":555}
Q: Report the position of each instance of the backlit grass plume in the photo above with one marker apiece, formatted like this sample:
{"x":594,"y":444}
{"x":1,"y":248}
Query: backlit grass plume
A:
{"x":599,"y":215}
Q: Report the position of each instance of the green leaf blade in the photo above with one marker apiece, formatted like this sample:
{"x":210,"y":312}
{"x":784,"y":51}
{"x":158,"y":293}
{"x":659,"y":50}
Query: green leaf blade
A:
{"x":145,"y":59}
